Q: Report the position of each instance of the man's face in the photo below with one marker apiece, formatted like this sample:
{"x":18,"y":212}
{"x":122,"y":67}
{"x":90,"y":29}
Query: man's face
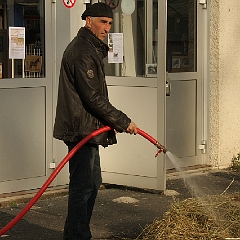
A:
{"x":100,"y":26}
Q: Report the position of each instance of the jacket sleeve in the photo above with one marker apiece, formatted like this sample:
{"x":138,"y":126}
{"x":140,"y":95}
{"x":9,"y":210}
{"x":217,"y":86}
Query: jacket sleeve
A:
{"x":90,"y":84}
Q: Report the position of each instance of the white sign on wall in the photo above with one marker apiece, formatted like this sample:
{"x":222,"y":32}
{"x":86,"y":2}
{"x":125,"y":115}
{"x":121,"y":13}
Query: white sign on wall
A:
{"x":16,"y":43}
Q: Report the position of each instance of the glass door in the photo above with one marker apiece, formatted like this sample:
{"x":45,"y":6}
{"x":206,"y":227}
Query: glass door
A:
{"x":25,"y":93}
{"x":136,"y":82}
{"x":184,"y":116}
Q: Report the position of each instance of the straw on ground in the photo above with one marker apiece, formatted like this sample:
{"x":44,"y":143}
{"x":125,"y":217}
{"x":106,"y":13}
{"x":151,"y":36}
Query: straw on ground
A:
{"x":207,"y":218}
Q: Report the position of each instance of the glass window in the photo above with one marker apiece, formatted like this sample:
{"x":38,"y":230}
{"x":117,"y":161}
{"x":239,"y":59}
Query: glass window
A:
{"x":140,"y":29}
{"x":181,"y":36}
{"x":29,"y":15}
{"x":140,"y":37}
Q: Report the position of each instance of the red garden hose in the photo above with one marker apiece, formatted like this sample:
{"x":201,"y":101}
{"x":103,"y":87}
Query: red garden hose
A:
{"x":62,"y":164}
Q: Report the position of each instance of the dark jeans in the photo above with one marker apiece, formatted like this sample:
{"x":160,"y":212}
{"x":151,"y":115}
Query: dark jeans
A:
{"x":85,"y":180}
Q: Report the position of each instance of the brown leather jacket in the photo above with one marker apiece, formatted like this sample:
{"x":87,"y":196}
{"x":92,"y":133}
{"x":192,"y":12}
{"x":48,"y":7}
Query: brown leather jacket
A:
{"x":83,"y":105}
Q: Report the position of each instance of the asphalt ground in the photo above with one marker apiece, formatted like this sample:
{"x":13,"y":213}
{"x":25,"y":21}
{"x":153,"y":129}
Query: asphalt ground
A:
{"x":120,"y":212}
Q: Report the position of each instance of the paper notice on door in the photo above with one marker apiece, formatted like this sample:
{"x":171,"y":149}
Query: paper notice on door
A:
{"x":115,"y":44}
{"x":16,"y":43}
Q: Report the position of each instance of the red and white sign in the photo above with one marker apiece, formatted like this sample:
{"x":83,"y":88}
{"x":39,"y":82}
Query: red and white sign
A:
{"x":69,"y":3}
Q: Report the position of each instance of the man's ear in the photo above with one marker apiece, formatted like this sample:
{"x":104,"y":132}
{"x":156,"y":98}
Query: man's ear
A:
{"x":88,"y":22}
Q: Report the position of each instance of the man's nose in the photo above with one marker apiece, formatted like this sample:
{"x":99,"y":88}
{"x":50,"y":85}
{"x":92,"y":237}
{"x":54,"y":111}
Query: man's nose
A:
{"x":107,"y":28}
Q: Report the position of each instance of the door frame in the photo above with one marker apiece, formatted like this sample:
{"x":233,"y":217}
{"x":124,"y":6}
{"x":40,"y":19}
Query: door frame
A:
{"x":161,"y":91}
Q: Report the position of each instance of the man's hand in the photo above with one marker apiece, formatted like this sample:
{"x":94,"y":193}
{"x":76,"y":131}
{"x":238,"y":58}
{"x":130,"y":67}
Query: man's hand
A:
{"x":132,"y":128}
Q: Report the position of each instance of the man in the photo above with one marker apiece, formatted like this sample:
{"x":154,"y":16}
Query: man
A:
{"x":83,"y":107}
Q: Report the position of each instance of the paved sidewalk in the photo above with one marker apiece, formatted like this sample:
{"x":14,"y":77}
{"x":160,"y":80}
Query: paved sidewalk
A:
{"x":120,"y":212}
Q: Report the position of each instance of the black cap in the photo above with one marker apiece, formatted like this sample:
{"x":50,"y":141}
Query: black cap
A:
{"x":98,"y":10}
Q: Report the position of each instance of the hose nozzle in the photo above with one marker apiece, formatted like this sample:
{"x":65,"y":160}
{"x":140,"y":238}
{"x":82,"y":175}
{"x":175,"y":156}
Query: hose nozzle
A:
{"x":161,"y":148}
{"x":153,"y":141}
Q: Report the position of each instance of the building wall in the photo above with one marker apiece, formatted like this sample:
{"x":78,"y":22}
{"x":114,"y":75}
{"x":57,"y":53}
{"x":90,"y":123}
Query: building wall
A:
{"x":66,"y":29}
{"x":224,"y":81}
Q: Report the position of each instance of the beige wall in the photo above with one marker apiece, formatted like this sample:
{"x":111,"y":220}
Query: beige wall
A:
{"x":224,"y":81}
{"x":66,"y":29}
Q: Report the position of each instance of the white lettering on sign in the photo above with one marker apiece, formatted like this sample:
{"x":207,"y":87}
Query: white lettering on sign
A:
{"x":69,"y":3}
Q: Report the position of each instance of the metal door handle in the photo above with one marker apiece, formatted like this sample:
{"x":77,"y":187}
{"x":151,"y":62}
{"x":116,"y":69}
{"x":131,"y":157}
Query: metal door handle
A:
{"x":168,"y":86}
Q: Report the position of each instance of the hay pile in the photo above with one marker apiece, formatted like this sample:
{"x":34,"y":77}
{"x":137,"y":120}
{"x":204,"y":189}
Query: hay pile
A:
{"x":211,"y":217}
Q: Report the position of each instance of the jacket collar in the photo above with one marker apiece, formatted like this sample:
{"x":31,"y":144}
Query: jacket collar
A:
{"x":93,"y":40}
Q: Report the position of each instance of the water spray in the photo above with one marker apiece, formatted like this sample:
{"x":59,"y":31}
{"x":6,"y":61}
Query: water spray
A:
{"x":62,"y":164}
